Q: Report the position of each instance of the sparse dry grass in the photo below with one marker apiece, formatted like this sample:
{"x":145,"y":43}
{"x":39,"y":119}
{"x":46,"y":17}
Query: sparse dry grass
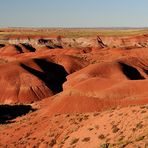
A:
{"x":72,"y":32}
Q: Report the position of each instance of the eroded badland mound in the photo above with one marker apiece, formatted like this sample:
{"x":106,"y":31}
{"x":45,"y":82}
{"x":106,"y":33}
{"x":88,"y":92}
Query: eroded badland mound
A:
{"x":74,"y":92}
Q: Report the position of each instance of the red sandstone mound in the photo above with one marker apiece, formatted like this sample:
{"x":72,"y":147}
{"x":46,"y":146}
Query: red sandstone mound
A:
{"x":18,"y":85}
{"x":101,"y":86}
{"x":30,"y":81}
{"x":124,"y":69}
{"x":25,"y":81}
{"x":70,"y":63}
{"x":10,"y":50}
{"x":85,"y":75}
{"x":91,"y":81}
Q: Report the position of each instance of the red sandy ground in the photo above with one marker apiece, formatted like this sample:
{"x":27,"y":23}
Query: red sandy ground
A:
{"x":97,"y":80}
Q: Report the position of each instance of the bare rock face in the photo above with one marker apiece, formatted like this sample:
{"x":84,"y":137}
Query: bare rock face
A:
{"x":83,"y":42}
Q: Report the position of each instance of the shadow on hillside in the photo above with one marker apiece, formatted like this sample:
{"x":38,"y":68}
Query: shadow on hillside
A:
{"x":146,"y":71}
{"x":2,"y":45}
{"x":9,"y":112}
{"x":29,"y":47}
{"x":18,"y":48}
{"x":52,"y":74}
{"x":131,"y":72}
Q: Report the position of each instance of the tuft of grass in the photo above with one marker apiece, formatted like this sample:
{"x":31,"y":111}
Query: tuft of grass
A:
{"x":144,"y":111}
{"x":74,"y":140}
{"x":146,"y":145}
{"x":140,"y":138}
{"x":121,"y":144}
{"x":96,"y":127}
{"x":115,"y":129}
{"x":121,"y":138}
{"x":90,"y":128}
{"x":66,"y":137}
{"x":86,"y":139}
{"x":52,"y":142}
{"x":139,"y":125}
{"x":96,"y":114}
{"x":105,"y":145}
{"x":101,"y":136}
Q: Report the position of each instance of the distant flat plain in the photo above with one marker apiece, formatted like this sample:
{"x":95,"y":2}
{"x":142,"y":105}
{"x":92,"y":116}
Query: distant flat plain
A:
{"x":72,"y":32}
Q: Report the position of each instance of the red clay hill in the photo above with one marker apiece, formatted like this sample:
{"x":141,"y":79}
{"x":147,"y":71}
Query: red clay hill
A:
{"x":74,"y":92}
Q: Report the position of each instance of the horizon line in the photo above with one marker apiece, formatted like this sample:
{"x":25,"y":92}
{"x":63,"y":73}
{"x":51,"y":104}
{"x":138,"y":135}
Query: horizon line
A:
{"x":114,"y":27}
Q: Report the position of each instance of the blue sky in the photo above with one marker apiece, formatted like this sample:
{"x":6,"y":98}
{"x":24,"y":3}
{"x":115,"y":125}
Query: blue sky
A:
{"x":73,"y":13}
